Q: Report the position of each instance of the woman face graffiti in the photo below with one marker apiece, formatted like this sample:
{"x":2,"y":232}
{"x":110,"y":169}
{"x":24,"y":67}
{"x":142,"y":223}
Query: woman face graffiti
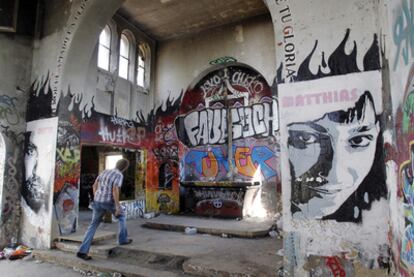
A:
{"x":331,"y":156}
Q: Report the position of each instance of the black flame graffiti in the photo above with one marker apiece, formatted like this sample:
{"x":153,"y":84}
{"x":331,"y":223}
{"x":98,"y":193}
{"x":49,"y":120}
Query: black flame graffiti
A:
{"x":41,"y":97}
{"x":40,"y":100}
{"x":338,"y":62}
{"x":171,"y":106}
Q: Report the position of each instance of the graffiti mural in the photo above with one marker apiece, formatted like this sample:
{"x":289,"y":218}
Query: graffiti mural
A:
{"x":132,"y":209}
{"x":334,"y":154}
{"x":403,"y":33}
{"x":237,"y":97}
{"x":402,"y":154}
{"x":213,"y":164}
{"x":40,"y":100}
{"x":228,"y":97}
{"x":225,"y":59}
{"x":155,"y":139}
{"x":330,"y":266}
{"x":407,"y":245}
{"x":162,"y":157}
{"x":8,"y":110}
{"x":165,"y":201}
{"x":140,"y":174}
{"x":344,"y":140}
{"x":224,"y":202}
{"x":12,"y":128}
{"x":39,"y":166}
{"x":67,"y":172}
{"x":65,"y":206}
{"x":335,"y":176}
{"x":34,"y":189}
{"x":112,"y":130}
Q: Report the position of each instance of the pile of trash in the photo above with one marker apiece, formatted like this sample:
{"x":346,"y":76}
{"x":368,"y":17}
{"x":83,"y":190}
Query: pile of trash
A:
{"x":14,"y":251}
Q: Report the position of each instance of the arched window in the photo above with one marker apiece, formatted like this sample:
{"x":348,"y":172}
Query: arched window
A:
{"x":124,"y":50}
{"x":104,"y":51}
{"x":141,"y":66}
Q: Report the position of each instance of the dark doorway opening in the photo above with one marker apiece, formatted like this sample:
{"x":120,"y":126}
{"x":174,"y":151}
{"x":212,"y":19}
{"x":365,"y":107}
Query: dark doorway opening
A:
{"x":95,"y":159}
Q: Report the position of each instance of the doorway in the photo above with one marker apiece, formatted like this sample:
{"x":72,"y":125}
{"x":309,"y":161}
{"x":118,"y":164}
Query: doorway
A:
{"x":95,"y":159}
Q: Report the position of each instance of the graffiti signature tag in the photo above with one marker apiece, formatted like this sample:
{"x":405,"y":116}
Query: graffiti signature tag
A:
{"x":247,"y":161}
{"x":403,"y":33}
{"x":8,"y":109}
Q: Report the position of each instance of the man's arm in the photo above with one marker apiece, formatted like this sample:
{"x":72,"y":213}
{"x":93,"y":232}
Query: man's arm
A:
{"x":95,"y":186}
{"x":115,"y":193}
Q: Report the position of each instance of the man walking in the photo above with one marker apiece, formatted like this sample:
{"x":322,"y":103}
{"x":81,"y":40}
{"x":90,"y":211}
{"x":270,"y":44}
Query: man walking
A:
{"x":106,"y":195}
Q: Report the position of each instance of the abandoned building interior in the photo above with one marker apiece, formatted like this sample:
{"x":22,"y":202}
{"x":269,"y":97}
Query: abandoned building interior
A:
{"x":230,"y":109}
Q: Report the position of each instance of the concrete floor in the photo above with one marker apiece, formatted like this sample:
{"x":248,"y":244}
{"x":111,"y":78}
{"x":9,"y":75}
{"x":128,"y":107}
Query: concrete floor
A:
{"x":205,"y":252}
{"x":32,"y":268}
{"x":206,"y":255}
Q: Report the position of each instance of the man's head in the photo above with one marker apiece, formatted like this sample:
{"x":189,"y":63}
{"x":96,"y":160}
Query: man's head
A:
{"x":122,"y":165}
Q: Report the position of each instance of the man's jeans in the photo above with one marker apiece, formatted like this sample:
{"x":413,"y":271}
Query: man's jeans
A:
{"x":99,"y":210}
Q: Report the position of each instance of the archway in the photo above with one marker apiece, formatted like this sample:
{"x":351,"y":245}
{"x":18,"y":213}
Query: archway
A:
{"x":227,"y":173}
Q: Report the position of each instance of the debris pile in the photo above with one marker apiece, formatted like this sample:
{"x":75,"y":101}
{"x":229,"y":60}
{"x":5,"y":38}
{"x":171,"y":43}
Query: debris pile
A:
{"x":13,"y":251}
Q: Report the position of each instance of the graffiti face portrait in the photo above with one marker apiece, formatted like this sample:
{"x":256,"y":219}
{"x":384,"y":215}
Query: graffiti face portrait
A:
{"x":330,"y":157}
{"x":30,"y":158}
{"x":32,"y":190}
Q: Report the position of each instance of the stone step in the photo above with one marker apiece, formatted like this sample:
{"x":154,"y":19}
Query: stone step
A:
{"x":100,"y":265}
{"x":157,"y":260}
{"x":78,"y":237}
{"x":101,"y":251}
{"x":218,"y":231}
{"x":206,"y":266}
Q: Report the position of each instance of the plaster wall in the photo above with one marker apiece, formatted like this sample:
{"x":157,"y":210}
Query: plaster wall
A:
{"x":180,"y":61}
{"x":15,"y":66}
{"x":322,"y":50}
{"x":65,"y":39}
{"x":399,"y":71}
{"x":113,"y":94}
{"x":16,"y":57}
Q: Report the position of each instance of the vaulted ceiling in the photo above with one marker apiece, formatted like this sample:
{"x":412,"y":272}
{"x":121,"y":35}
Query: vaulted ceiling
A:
{"x":167,"y":19}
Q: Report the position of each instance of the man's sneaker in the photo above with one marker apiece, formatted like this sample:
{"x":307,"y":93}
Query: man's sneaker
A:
{"x":129,"y":241}
{"x":83,"y":256}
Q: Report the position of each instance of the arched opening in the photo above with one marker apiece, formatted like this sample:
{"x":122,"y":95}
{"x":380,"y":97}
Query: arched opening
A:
{"x":226,"y":173}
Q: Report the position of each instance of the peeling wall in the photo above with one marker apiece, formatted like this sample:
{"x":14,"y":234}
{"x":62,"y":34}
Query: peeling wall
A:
{"x":15,"y":66}
{"x":65,"y":40}
{"x":331,"y":116}
{"x":16,"y":57}
{"x":399,"y":57}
